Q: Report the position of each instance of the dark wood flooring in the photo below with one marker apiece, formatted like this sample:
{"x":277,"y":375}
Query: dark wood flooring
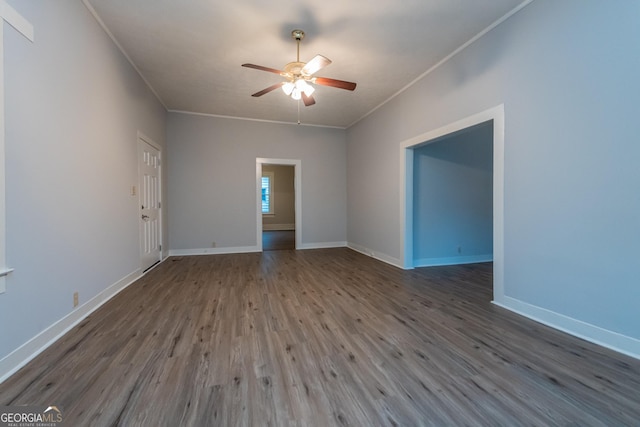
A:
{"x":277,"y":240}
{"x":320,"y":338}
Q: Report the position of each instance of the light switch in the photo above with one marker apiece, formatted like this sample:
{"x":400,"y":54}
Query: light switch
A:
{"x":133,"y":190}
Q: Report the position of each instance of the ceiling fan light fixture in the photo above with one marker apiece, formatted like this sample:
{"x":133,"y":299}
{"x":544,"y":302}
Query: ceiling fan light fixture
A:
{"x":305,"y":87}
{"x":309,"y":90}
{"x":288,"y":88}
{"x":301,"y":84}
{"x":296,"y":88}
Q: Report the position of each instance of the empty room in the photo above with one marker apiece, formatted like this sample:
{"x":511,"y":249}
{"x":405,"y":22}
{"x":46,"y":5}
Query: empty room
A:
{"x":348,"y":213}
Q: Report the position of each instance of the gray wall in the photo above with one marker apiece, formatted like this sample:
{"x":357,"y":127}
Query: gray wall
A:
{"x":453,"y":195}
{"x":572,"y":206}
{"x":212,"y":180}
{"x":74,"y":106}
{"x":284,"y":198}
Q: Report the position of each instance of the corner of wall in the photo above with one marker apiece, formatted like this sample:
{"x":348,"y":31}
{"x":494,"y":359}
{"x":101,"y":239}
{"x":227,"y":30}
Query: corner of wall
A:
{"x":594,"y":334}
{"x":375,"y":255}
{"x":15,"y":360}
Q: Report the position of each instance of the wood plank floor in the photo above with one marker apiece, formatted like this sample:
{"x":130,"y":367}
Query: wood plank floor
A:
{"x":277,"y":240}
{"x":320,"y":338}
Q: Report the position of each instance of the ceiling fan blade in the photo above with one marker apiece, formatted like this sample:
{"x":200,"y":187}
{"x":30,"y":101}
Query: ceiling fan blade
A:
{"x":261,"y":68}
{"x":317,"y":63}
{"x":334,"y":83}
{"x":269,"y":89}
{"x":308,"y":100}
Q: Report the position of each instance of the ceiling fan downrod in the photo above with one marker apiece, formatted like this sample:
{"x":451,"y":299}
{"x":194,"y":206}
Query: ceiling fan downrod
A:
{"x":297,"y":36}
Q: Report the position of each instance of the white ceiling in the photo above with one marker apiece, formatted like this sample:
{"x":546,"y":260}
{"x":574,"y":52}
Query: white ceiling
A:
{"x":190,"y":51}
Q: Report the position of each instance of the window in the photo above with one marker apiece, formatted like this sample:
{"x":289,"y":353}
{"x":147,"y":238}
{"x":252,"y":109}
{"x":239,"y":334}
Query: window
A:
{"x":267,"y":193}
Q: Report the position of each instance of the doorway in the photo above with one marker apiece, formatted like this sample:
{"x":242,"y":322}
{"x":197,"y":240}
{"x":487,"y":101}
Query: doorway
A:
{"x":407,"y":148}
{"x":453,"y":198}
{"x":150,"y":219}
{"x":279,"y":208}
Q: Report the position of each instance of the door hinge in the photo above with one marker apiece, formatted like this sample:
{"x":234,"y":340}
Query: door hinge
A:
{"x":159,"y":205}
{"x":160,"y":248}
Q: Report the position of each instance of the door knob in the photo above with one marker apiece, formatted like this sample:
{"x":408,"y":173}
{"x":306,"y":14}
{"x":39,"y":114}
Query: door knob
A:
{"x":145,"y":217}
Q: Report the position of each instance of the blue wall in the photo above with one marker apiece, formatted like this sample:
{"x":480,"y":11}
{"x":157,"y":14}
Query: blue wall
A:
{"x":567,"y":75}
{"x":453,"y":195}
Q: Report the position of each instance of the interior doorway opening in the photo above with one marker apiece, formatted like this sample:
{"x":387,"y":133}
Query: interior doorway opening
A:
{"x":453,"y":198}
{"x":496,"y":117}
{"x":279,"y":209}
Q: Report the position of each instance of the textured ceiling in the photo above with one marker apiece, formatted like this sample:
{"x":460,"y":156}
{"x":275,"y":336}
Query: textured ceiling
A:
{"x":190,"y":51}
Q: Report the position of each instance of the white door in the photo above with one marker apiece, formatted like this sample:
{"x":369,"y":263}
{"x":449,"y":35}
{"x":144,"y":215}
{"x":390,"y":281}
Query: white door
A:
{"x":150,"y":224}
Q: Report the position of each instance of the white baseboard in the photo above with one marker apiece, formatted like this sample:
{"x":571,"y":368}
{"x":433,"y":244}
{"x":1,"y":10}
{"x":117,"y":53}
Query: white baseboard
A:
{"x":377,"y":255}
{"x":609,"y":339}
{"x":322,"y":245}
{"x":278,"y":227}
{"x":214,"y":251}
{"x":470,"y":259}
{"x":247,"y":249}
{"x":15,"y":360}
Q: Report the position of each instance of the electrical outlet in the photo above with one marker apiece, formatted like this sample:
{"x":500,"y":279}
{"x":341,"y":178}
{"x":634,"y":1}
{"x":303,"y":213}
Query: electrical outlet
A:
{"x":75,"y":299}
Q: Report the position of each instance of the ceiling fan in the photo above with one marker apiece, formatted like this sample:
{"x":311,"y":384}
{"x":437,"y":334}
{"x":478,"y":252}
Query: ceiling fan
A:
{"x":299,"y":74}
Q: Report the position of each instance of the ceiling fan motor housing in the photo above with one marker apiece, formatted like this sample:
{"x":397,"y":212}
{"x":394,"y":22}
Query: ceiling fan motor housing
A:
{"x":294,"y":69}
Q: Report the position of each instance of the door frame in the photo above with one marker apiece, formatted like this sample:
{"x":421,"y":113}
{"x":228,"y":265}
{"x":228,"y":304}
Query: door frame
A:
{"x":143,"y":139}
{"x":297,"y":182}
{"x":495,"y":114}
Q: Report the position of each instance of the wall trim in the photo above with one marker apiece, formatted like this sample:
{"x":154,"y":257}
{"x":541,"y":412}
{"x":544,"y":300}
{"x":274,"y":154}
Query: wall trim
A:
{"x":278,"y":227}
{"x":322,"y":245}
{"x":588,"y":332}
{"x":249,"y":119}
{"x":16,"y":20}
{"x":24,"y":27}
{"x":214,"y":251}
{"x":124,"y":53}
{"x":375,"y":255}
{"x":455,"y":260}
{"x":248,"y":249}
{"x":447,"y":58}
{"x":15,"y":360}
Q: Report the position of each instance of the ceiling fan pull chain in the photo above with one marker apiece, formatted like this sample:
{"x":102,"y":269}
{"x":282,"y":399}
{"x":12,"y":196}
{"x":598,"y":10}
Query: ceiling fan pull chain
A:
{"x":298,"y":111}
